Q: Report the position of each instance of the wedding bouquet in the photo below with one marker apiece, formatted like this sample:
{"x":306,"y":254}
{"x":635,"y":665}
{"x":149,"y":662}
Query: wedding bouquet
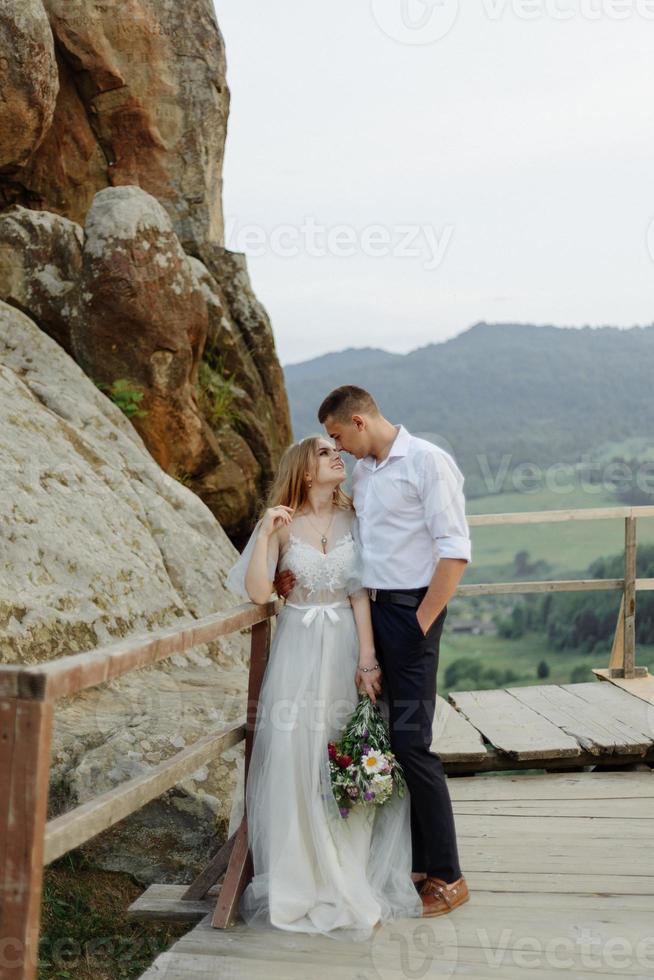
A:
{"x":362,"y":768}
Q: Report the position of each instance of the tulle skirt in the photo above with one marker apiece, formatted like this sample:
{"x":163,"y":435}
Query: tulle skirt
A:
{"x":314,"y":871}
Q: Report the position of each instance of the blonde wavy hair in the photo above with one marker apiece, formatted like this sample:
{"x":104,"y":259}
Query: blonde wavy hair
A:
{"x":289,"y":487}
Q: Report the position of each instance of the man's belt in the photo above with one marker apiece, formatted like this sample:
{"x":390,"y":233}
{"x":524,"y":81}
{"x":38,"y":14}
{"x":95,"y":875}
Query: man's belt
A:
{"x":399,"y":597}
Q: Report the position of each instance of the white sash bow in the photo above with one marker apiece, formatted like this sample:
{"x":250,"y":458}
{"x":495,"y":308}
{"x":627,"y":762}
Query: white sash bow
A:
{"x":321,"y":609}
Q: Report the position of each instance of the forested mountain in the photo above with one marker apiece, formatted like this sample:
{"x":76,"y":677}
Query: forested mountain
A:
{"x":542,"y":394}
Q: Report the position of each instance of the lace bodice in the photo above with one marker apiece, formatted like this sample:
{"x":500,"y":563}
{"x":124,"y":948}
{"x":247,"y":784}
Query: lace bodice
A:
{"x":320,"y":577}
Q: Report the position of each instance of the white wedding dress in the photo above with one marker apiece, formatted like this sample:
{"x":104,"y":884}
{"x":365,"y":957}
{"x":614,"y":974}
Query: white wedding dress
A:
{"x":314,"y":871}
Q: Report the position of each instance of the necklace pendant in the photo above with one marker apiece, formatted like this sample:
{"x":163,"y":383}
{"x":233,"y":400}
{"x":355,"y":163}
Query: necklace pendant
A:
{"x":323,"y":541}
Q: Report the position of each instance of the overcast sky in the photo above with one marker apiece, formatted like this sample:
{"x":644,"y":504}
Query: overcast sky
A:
{"x":397,"y":170}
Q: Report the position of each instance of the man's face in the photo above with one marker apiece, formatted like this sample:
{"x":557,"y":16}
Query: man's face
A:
{"x":349,"y":437}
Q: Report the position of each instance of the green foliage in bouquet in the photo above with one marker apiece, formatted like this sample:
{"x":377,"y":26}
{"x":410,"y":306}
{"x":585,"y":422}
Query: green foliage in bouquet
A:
{"x":363,"y":770}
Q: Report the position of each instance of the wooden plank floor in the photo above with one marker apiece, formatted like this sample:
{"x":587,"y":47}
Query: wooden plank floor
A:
{"x":640,"y":687}
{"x":575,"y":724}
{"x":455,"y":738}
{"x":561,"y":875}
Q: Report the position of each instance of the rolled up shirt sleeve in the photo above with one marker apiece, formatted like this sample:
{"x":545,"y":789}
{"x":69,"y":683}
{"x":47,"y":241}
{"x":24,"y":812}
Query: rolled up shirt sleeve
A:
{"x":441,"y":491}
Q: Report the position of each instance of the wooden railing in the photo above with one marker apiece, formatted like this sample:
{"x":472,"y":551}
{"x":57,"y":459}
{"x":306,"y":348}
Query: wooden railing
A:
{"x":28,"y":841}
{"x":622,"y":662}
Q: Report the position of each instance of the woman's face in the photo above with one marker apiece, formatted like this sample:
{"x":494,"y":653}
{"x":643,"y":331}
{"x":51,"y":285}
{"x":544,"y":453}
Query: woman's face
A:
{"x":329,"y":465}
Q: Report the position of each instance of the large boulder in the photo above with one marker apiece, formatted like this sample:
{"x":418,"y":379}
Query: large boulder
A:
{"x":29,"y":81}
{"x":40,"y":267}
{"x":143,"y":101}
{"x":127,"y":302}
{"x":99,"y":543}
{"x":142,"y":316}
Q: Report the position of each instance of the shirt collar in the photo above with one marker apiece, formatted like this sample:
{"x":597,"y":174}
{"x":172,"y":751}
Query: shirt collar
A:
{"x":400,"y":447}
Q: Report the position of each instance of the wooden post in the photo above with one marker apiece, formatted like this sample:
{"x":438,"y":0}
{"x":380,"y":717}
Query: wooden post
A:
{"x":237,"y":876}
{"x":239,"y":869}
{"x":259,"y":650}
{"x":622,"y":662}
{"x":25,"y":745}
{"x":199,"y":887}
{"x":629,"y":596}
{"x":616,"y":660}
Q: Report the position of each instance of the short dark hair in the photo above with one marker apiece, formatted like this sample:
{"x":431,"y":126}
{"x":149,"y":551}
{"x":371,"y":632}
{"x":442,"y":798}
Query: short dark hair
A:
{"x":344,"y":402}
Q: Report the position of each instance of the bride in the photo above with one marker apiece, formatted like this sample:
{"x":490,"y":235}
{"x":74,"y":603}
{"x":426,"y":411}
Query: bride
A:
{"x":315,"y":871}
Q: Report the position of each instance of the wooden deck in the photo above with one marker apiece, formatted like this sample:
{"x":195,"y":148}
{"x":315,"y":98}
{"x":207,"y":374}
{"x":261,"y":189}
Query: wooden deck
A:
{"x":560,"y":866}
{"x":548,"y":726}
{"x":561,"y":875}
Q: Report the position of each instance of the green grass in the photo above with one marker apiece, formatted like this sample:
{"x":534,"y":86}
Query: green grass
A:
{"x":85,"y":933}
{"x":522,"y":657}
{"x":567,"y":547}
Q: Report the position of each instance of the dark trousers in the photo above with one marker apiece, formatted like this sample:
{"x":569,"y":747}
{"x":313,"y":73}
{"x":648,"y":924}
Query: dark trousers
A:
{"x":409,"y":662}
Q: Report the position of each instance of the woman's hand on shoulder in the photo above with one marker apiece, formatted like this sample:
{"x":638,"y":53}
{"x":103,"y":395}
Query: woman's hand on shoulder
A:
{"x":274,"y":518}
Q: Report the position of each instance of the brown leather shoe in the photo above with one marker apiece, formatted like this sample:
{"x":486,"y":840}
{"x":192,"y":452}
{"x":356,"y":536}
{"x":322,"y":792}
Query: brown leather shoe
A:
{"x":439,"y":897}
{"x":418,"y":879}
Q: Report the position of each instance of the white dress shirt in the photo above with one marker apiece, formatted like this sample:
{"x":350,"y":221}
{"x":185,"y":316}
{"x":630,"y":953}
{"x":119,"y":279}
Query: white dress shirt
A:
{"x":411,"y":512}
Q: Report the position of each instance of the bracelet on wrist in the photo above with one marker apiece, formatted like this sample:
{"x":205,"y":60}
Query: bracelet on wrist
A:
{"x":365,"y":670}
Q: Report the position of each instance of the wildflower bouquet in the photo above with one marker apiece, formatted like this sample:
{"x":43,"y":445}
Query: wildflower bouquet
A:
{"x":362,"y":768}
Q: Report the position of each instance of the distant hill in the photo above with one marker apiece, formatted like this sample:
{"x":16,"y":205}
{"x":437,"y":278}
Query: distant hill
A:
{"x":540,"y":394}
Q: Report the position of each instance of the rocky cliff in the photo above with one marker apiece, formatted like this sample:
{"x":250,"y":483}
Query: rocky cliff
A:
{"x":114,"y":118}
{"x":142,"y":404}
{"x":98,"y":542}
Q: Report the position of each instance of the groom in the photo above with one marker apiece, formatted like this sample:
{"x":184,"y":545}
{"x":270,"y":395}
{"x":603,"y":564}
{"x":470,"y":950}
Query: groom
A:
{"x":408,"y":497}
